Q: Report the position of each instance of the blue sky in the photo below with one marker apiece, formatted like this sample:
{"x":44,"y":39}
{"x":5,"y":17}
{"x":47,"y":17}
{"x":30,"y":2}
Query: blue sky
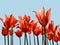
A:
{"x":21,"y":7}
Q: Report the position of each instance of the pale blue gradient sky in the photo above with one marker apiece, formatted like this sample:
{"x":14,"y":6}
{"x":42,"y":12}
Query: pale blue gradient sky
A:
{"x":21,"y":7}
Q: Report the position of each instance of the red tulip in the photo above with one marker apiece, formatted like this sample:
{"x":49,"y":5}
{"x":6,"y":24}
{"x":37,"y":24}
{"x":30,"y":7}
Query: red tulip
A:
{"x":33,"y":25}
{"x":50,"y":31}
{"x":37,"y":31}
{"x":26,"y":18}
{"x":19,"y":33}
{"x":24,"y":23}
{"x":10,"y":32}
{"x":4,"y":31}
{"x":50,"y":35}
{"x":43,"y":17}
{"x":58,"y":31}
{"x":50,"y":27}
{"x":10,"y":21}
{"x":55,"y":38}
{"x":13,"y":21}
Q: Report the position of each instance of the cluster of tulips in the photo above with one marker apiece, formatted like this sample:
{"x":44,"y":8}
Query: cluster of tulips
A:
{"x":24,"y":25}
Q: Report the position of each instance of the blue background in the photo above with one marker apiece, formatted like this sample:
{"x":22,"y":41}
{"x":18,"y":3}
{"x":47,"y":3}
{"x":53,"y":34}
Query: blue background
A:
{"x":21,"y":7}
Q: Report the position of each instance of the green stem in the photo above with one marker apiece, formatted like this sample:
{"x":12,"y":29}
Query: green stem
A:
{"x":12,"y":37}
{"x":7,"y":36}
{"x":25,"y":39}
{"x":8,"y":39}
{"x":34,"y":40}
{"x":42,"y":39}
{"x":12,"y":40}
{"x":52,"y":42}
{"x":47,"y":41}
{"x":37,"y":40}
{"x":5,"y":40}
{"x":44,"y":36}
{"x":57,"y":43}
{"x":20,"y":40}
{"x":30,"y":39}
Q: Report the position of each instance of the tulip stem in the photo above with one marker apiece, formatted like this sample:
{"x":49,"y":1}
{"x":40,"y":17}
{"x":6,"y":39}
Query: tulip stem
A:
{"x":37,"y":40}
{"x":57,"y":43}
{"x":44,"y":36}
{"x":20,"y":40}
{"x":5,"y":40}
{"x":42,"y":39}
{"x":34,"y":40}
{"x":52,"y":42}
{"x":8,"y":39}
{"x":25,"y":39}
{"x":47,"y":41}
{"x":12,"y":37}
{"x":30,"y":39}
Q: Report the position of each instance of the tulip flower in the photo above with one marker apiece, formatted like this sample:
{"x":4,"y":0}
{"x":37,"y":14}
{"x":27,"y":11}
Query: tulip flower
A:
{"x":24,"y":25}
{"x":43,"y":17}
{"x":10,"y":21}
{"x":50,"y":31}
{"x":19,"y":34}
{"x":37,"y":32}
{"x":56,"y":37}
{"x":10,"y":32}
{"x":33,"y":26}
{"x":4,"y":33}
{"x":58,"y":31}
